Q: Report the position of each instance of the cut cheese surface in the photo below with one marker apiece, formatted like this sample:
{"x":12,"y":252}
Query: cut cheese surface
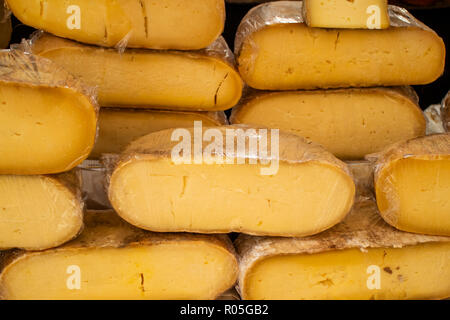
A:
{"x":361,"y":258}
{"x":119,"y":127}
{"x":112,"y":260}
{"x":348,"y":123}
{"x":412,"y":185}
{"x":290,"y":56}
{"x":48,"y":121}
{"x":310,"y":190}
{"x":350,"y":14}
{"x":39,"y":212}
{"x":168,"y":24}
{"x":5,"y":27}
{"x":155,"y":79}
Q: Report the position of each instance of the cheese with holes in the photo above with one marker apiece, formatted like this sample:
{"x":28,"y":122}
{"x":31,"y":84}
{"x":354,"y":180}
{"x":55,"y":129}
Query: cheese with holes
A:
{"x":412,"y":185}
{"x":290,"y":56}
{"x":347,"y":14}
{"x":348,"y":123}
{"x":119,"y":127}
{"x":168,"y":24}
{"x":361,"y":258}
{"x":112,"y":260}
{"x":157,"y":79}
{"x":48,"y":118}
{"x":300,"y":190}
{"x":5,"y":27}
{"x":39,"y":212}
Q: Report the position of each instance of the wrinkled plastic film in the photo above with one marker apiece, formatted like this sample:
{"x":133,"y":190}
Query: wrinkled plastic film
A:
{"x":433,"y":115}
{"x":445,"y":111}
{"x":5,"y":25}
{"x":93,"y":186}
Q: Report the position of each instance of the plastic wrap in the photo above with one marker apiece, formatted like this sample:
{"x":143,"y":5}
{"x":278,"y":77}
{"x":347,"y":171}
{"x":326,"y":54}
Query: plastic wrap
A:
{"x":93,"y":187}
{"x":279,"y":12}
{"x":20,"y":68}
{"x":362,"y":173}
{"x":445,"y":111}
{"x":67,"y":183}
{"x":433,"y":115}
{"x":122,"y":82}
{"x":363,"y":228}
{"x":169,"y":24}
{"x":5,"y":25}
{"x":104,"y":229}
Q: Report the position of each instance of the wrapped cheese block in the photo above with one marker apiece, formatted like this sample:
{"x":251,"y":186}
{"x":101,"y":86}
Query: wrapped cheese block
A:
{"x":412,"y":185}
{"x":201,"y":80}
{"x":5,"y":26}
{"x":360,"y":14}
{"x":112,"y":260}
{"x":350,"y":123}
{"x":118,"y":127}
{"x":48,"y":118}
{"x":277,"y":51}
{"x":39,"y":212}
{"x":168,"y":24}
{"x":446,"y":112}
{"x":296,"y":188}
{"x":361,"y":258}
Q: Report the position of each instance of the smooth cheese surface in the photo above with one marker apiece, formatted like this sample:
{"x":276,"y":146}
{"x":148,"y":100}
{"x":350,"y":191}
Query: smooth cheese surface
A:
{"x":347,"y":14}
{"x":413,"y":194}
{"x":119,"y":127}
{"x":155,"y":79}
{"x":5,"y":27}
{"x":168,"y":24}
{"x":294,"y":56}
{"x":348,"y":123}
{"x":300,"y":199}
{"x":37,"y":212}
{"x":44,"y":129}
{"x":171,"y":270}
{"x":412,"y":272}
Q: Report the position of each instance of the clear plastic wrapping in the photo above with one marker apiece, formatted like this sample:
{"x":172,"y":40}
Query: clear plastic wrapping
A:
{"x":434,"y":117}
{"x":445,"y":111}
{"x":93,"y":187}
{"x":5,"y":25}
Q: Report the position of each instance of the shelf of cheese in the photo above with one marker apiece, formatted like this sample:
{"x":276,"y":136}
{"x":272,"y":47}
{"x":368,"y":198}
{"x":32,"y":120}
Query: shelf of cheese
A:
{"x":195,"y":81}
{"x":112,"y":260}
{"x":48,"y":118}
{"x":168,"y":24}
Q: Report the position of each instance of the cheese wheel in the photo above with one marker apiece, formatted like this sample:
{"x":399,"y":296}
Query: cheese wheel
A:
{"x":48,"y":118}
{"x":412,"y":185}
{"x":298,"y":190}
{"x":200,"y":81}
{"x":168,"y":24}
{"x":361,"y":258}
{"x":112,"y":260}
{"x":350,"y":123}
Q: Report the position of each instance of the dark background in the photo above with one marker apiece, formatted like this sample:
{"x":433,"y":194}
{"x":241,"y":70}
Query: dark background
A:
{"x":437,"y":19}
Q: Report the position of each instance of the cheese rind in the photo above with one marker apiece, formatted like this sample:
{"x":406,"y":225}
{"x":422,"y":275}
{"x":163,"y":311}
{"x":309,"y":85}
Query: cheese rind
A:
{"x":119,"y":127}
{"x":291,"y":56}
{"x":39,"y":212}
{"x":168,"y":24}
{"x":350,"y":123}
{"x":112,"y":260}
{"x":345,"y":262}
{"x":310,"y":190}
{"x":48,"y":118}
{"x":5,"y":26}
{"x":193,"y":81}
{"x":412,"y":185}
{"x":359,"y":14}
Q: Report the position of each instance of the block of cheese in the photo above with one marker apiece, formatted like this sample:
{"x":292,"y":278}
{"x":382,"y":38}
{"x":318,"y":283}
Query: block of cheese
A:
{"x":39,"y":212}
{"x":111,"y":260}
{"x":289,"y":55}
{"x":48,"y":118}
{"x":360,"y":258}
{"x":120,"y":126}
{"x":168,"y":24}
{"x":200,"y":80}
{"x":5,"y":26}
{"x":445,"y":111}
{"x":412,"y":185}
{"x":306,"y":191}
{"x":350,"y":14}
{"x":349,"y":123}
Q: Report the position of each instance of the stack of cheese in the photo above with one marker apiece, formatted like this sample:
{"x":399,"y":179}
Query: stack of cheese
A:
{"x":286,"y":49}
{"x":48,"y":121}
